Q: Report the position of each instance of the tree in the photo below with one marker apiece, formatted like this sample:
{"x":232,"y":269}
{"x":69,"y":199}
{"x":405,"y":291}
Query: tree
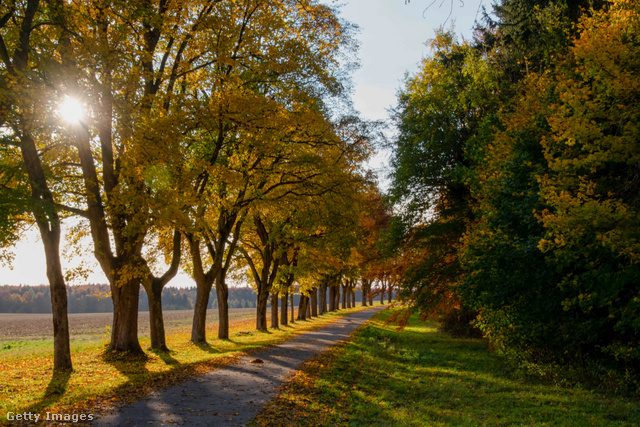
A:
{"x":591,"y":187}
{"x":20,"y":108}
{"x":137,"y":112}
{"x":266,"y":95}
{"x":436,"y":119}
{"x":510,"y":280}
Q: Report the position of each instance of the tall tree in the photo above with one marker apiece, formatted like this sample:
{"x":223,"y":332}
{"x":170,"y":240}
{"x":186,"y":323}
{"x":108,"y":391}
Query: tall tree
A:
{"x":436,"y":120}
{"x":267,"y":94}
{"x":22,"y":84}
{"x":592,"y":184}
{"x":131,"y":64}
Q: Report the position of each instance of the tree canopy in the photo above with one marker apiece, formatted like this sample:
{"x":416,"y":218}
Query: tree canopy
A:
{"x":200,"y":126}
{"x":515,"y":182}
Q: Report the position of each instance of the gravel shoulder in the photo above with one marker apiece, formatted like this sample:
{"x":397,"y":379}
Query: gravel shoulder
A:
{"x":235,"y":394}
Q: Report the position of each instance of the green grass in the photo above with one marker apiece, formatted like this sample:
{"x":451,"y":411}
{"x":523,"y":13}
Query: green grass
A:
{"x":99,"y":380}
{"x":420,"y":377}
{"x":94,"y":337}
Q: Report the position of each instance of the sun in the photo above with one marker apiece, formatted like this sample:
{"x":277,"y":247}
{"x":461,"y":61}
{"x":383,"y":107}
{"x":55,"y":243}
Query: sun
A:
{"x":71,"y":110}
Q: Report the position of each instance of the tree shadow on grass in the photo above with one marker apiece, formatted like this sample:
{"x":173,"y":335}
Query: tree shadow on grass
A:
{"x":132,"y":366}
{"x":56,"y":388}
{"x":206,"y":347}
{"x":166,"y":357}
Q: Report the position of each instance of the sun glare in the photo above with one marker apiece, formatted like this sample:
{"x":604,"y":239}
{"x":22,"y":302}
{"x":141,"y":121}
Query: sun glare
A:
{"x":71,"y":110}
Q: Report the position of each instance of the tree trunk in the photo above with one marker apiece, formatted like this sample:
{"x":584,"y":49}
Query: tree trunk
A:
{"x":199,"y":326}
{"x":323,"y":297}
{"x":204,"y":283}
{"x":314,"y":302}
{"x":332,"y":298}
{"x":124,"y":332}
{"x":364,"y":292}
{"x":49,"y":225}
{"x":156,"y":321}
{"x":390,"y":294}
{"x":261,"y":310}
{"x":344,"y":296}
{"x":222,"y":292}
{"x":293,"y":320}
{"x":154,"y":285}
{"x":284,"y":309}
{"x":274,"y":311}
{"x":61,"y":347}
{"x":382,"y":294}
{"x":353,"y":297}
{"x":336,"y":304}
{"x":302,"y":308}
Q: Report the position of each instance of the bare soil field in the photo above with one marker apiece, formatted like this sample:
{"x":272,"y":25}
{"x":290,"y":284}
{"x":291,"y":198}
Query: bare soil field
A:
{"x":22,"y":326}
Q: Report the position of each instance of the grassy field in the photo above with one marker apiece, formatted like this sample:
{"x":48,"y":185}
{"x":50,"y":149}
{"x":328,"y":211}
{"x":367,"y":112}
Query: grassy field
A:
{"x":420,"y":377}
{"x":100,"y":381}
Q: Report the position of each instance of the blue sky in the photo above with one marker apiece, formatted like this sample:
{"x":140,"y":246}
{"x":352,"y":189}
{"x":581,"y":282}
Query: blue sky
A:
{"x":392,"y":40}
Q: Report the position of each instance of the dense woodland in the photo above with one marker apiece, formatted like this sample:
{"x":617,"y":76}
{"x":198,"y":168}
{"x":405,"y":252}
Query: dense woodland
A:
{"x":516,"y":177}
{"x":217,"y":137}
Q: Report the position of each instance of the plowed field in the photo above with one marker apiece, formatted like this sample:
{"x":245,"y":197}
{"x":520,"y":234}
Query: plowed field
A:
{"x":16,"y":327}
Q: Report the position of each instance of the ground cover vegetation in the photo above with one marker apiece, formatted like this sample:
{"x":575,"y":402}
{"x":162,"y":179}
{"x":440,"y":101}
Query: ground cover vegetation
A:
{"x":515,"y":182}
{"x":422,"y":377}
{"x":212,"y":136}
{"x":101,"y":380}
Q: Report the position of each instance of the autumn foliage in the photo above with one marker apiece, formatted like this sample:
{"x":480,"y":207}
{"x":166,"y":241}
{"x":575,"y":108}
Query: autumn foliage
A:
{"x":542,"y":148}
{"x":205,"y":127}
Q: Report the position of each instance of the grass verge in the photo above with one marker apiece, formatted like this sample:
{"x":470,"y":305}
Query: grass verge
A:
{"x":100,"y":381}
{"x":420,"y":377}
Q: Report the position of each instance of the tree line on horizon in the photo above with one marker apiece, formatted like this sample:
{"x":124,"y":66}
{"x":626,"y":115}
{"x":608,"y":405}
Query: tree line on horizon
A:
{"x":95,"y":298}
{"x":212,"y":136}
{"x":516,"y":183}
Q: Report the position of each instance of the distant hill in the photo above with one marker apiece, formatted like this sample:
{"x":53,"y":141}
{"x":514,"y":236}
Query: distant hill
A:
{"x":96,"y":299}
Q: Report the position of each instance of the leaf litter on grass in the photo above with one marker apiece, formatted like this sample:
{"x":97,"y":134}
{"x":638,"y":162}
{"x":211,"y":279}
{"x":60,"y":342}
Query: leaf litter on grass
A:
{"x":99,"y":382}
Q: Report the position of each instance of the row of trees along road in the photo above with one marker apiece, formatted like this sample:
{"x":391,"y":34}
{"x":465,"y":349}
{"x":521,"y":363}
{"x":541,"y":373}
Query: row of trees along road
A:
{"x":215,"y":136}
{"x":515,"y":176}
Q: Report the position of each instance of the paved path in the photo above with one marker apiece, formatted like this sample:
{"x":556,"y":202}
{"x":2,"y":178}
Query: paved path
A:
{"x":235,"y":394}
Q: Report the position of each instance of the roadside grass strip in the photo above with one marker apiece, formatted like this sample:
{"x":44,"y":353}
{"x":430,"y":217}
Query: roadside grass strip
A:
{"x":99,"y":380}
{"x":420,"y":377}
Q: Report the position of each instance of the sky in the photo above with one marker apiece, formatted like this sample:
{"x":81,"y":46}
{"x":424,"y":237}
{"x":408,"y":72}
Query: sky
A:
{"x":391,"y":39}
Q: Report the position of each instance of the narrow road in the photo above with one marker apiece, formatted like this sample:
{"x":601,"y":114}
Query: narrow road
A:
{"x":235,"y":394}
